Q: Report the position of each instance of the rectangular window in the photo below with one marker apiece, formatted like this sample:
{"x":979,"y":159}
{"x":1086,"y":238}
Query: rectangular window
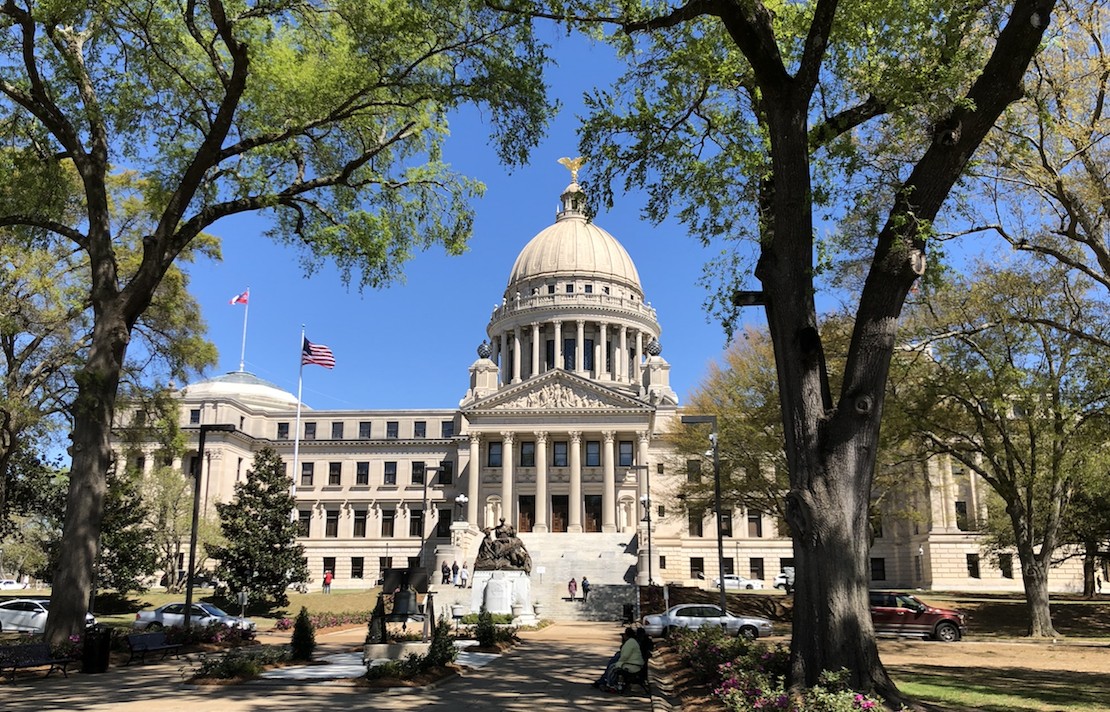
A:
{"x":493,"y":455}
{"x":961,"y":516}
{"x":308,"y":469}
{"x":697,"y":567}
{"x":364,"y":430}
{"x":392,"y":429}
{"x":551,"y":289}
{"x":418,"y":473}
{"x":568,"y":354}
{"x":593,"y":453}
{"x":973,"y":566}
{"x":331,"y":528}
{"x":549,"y":354}
{"x":304,"y":522}
{"x":443,"y":524}
{"x":447,"y":429}
{"x":388,"y":518}
{"x":755,"y":523}
{"x":727,"y":565}
{"x":360,"y":524}
{"x":416,"y":522}
{"x":446,"y":472}
{"x":528,"y":454}
{"x":726,"y":522}
{"x":662,"y":563}
{"x":362,"y":473}
{"x":356,"y":567}
{"x":390,"y":474}
{"x":693,"y":471}
{"x":337,"y":431}
{"x":1006,"y":564}
{"x":559,"y":454}
{"x":329,"y":564}
{"x":334,"y":473}
{"x":589,"y":288}
{"x":878,"y":569}
{"x":420,"y":429}
{"x":588,"y":354}
{"x":570,"y":288}
{"x":755,"y":568}
{"x":194,"y":416}
{"x":625,"y":456}
{"x":283,"y":431}
{"x":310,"y":431}
{"x":696,"y":523}
{"x":385,"y":562}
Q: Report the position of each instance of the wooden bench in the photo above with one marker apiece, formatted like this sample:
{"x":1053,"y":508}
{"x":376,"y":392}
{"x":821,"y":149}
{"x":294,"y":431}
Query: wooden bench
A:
{"x":154,"y":642}
{"x":29,"y":655}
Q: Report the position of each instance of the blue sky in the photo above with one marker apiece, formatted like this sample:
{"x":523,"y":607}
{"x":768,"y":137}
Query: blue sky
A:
{"x":410,"y":345}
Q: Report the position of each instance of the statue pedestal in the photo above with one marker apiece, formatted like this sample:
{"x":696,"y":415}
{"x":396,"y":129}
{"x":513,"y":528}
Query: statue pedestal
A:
{"x":499,"y":591}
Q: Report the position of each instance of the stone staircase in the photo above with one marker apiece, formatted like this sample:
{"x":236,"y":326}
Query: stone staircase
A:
{"x":607,"y":560}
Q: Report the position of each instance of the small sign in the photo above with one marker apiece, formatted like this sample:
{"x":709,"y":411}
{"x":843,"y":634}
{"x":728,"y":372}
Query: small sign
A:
{"x":242,"y":598}
{"x":541,"y":570}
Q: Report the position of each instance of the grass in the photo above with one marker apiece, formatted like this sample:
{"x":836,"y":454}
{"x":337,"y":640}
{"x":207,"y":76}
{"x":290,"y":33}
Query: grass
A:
{"x":1004,"y":689}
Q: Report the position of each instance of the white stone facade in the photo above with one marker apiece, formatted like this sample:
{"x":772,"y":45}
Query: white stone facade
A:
{"x":559,"y":431}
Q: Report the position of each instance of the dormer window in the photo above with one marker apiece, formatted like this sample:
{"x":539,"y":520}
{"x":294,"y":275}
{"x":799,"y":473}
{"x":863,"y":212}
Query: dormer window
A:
{"x":570,"y":288}
{"x":551,"y":289}
{"x":589,"y":288}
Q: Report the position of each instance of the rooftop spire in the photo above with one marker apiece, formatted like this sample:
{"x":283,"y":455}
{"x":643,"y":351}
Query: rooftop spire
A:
{"x":572,"y":197}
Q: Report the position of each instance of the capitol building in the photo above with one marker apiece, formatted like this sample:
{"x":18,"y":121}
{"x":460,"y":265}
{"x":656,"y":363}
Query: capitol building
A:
{"x":561,"y":430}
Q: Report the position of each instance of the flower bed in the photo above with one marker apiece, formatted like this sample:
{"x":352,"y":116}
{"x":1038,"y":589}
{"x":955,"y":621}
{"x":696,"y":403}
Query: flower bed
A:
{"x":327,"y":620}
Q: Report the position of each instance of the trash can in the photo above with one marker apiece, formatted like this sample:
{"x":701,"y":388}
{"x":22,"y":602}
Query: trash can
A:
{"x":96,"y":649}
{"x":629,"y":616}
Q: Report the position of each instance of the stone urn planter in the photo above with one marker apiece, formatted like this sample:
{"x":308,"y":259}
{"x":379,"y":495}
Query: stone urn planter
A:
{"x":458,"y":610}
{"x":518,"y":610}
{"x":538,"y":608}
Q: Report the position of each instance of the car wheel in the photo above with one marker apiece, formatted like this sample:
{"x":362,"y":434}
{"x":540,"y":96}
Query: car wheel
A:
{"x":947,"y":632}
{"x":749,"y":587}
{"x":748,"y":633}
{"x":667,"y":631}
{"x":154,"y":626}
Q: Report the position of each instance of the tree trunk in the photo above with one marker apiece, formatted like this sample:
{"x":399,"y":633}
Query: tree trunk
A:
{"x":1090,"y":566}
{"x":91,"y":452}
{"x":1034,"y":576}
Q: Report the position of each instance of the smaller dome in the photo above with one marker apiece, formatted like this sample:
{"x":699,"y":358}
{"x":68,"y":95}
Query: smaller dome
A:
{"x":244,"y":387}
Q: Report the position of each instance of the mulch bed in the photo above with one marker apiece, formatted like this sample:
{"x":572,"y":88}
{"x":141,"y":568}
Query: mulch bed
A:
{"x":694,"y":696}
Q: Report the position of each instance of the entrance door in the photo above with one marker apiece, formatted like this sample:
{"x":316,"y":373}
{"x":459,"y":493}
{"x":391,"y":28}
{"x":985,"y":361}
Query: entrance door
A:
{"x":527,"y":512}
{"x":593,"y":513}
{"x":560,"y":512}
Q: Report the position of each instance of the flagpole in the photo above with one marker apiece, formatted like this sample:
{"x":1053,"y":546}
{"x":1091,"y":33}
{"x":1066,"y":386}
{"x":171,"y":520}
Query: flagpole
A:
{"x":297,"y":427}
{"x":243,"y":351}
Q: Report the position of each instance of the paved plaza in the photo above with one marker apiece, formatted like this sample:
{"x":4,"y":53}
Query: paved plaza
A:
{"x":550,"y":668}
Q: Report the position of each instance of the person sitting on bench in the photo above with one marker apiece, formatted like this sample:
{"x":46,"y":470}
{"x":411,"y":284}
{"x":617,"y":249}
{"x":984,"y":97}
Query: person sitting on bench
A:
{"x":628,"y":661}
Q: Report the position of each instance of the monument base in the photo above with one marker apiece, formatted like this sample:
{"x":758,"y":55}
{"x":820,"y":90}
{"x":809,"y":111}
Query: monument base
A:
{"x":499,"y":591}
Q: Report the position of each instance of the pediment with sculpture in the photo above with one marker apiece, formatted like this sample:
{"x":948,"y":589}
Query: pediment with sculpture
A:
{"x":558,"y":392}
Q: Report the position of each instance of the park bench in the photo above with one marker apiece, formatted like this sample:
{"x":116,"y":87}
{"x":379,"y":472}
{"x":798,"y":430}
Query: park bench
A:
{"x":154,"y":642}
{"x":29,"y":655}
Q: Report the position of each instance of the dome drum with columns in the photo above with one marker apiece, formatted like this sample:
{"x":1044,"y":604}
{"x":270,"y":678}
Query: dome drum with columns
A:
{"x":561,"y":432}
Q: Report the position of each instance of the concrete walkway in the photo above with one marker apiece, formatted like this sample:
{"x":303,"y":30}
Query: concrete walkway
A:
{"x":551,"y":668}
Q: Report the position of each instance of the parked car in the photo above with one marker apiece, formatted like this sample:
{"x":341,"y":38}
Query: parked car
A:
{"x":202,"y":614}
{"x":785,"y":579}
{"x":738,"y":582}
{"x":903,"y":614}
{"x":696,"y":615}
{"x":11,"y":585}
{"x":29,"y":614}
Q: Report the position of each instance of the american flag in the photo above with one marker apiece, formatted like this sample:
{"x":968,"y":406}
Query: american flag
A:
{"x":317,"y":354}
{"x":241,"y":298}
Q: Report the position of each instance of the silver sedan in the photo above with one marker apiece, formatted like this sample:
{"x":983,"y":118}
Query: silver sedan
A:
{"x":696,"y":615}
{"x":29,"y":615}
{"x":201,"y":614}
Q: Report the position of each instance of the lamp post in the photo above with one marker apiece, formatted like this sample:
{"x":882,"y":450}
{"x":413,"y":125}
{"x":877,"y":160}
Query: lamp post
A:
{"x":712,"y":420}
{"x":460,"y":507}
{"x":204,"y":430}
{"x":646,"y":501}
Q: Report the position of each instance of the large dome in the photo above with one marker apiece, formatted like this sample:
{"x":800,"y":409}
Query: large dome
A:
{"x":574,"y":247}
{"x":244,"y":387}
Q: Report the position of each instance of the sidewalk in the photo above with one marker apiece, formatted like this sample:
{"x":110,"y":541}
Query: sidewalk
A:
{"x":551,"y":668}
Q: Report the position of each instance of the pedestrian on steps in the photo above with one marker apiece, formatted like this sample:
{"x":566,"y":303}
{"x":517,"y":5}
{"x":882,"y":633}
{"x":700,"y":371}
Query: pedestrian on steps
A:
{"x":572,"y":588}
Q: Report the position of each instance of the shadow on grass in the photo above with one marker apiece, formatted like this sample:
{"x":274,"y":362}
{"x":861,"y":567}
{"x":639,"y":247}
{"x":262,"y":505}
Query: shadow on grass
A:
{"x":972,"y":687}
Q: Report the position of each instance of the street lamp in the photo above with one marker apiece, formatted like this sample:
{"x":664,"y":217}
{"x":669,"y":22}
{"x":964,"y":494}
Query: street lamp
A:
{"x":204,"y":430}
{"x":460,"y":507}
{"x":429,"y":473}
{"x":646,"y":501}
{"x":712,"y":420}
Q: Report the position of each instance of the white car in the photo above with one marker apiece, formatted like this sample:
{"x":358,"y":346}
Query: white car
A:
{"x":202,"y":614}
{"x":738,"y":582}
{"x":29,"y":614}
{"x":12,"y":585}
{"x":696,"y":615}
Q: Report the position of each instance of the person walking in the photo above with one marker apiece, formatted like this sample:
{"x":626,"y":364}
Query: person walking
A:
{"x":464,"y":576}
{"x":585,"y":589}
{"x":445,"y":573}
{"x":327,"y":581}
{"x":454,"y":574}
{"x":572,"y":588}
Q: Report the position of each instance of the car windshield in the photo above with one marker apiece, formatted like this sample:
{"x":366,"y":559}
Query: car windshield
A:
{"x":212,"y":610}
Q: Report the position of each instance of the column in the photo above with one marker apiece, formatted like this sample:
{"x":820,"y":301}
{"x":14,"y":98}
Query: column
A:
{"x":558,"y":344}
{"x":579,"y":345}
{"x":622,"y":362}
{"x":642,"y":459}
{"x":603,"y":372}
{"x":951,"y":491}
{"x":502,"y":350}
{"x":507,"y":508}
{"x":608,"y":483}
{"x":574,"y":517}
{"x":536,"y":346}
{"x":473,"y":477}
{"x":516,"y":354}
{"x":540,"y":524}
{"x":639,"y":370}
{"x":599,"y":353}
